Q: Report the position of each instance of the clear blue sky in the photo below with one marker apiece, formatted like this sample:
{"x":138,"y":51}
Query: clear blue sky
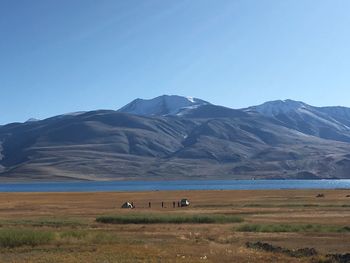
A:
{"x":70,"y":55}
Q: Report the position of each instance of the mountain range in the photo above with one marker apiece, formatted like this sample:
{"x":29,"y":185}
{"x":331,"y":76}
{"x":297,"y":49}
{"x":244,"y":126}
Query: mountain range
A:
{"x":174,"y":137}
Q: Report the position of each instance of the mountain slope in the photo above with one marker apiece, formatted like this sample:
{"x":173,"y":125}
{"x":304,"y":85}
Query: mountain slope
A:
{"x":283,"y":139}
{"x":324,"y":122}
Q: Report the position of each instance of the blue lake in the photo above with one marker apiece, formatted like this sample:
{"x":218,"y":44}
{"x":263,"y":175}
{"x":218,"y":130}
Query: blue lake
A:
{"x":173,"y":185}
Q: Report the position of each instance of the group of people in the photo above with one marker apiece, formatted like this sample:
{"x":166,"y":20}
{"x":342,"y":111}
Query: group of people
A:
{"x":182,"y":203}
{"x":174,"y":204}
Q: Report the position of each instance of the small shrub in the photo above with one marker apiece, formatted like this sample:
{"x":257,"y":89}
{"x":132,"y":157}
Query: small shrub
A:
{"x":345,"y":229}
{"x":10,"y":238}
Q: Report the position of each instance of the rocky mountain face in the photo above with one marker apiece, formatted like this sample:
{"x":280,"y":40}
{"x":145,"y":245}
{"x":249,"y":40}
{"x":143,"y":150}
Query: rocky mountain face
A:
{"x":173,"y":137}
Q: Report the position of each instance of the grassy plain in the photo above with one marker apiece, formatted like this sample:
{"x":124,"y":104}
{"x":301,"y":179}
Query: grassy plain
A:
{"x":62,"y":227}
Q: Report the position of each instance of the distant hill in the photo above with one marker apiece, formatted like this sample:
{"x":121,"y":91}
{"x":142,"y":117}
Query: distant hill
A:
{"x":174,"y":137}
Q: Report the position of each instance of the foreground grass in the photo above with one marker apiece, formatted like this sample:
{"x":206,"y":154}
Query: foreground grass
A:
{"x":168,"y":219}
{"x":271,"y":228}
{"x":10,"y":238}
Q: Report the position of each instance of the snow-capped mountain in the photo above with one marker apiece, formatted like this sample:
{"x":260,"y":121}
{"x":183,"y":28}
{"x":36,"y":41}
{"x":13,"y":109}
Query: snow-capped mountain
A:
{"x":273,"y":108}
{"x":324,"y":122}
{"x":186,"y":138}
{"x":163,"y":106}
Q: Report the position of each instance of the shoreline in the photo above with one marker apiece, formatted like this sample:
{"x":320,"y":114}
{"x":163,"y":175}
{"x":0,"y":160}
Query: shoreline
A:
{"x":175,"y":190}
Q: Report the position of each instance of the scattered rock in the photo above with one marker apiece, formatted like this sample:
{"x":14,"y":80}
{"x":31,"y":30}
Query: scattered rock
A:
{"x":302,"y":252}
{"x":264,"y":246}
{"x":297,"y":253}
{"x":339,"y":258}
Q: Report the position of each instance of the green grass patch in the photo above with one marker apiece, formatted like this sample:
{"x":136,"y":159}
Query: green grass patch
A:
{"x":11,"y":238}
{"x":168,"y":219}
{"x":271,"y":228}
{"x":78,"y":235}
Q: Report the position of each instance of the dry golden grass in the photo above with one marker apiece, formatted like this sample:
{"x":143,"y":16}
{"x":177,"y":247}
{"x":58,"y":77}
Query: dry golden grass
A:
{"x":79,"y":238}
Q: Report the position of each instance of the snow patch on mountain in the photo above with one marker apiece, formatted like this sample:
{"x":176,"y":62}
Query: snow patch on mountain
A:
{"x":186,"y":110}
{"x":74,"y":113}
{"x":163,"y":106}
{"x":305,"y":112}
{"x":32,"y":120}
{"x":191,"y":99}
{"x":273,"y":108}
{"x":324,"y":119}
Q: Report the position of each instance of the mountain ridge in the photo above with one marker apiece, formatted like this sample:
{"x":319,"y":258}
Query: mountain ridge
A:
{"x":190,"y":140}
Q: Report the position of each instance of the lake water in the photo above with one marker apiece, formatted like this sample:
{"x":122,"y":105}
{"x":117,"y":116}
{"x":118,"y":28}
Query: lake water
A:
{"x":173,"y":185}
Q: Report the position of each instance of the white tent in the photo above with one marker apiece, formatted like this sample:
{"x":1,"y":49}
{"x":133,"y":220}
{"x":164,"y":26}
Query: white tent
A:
{"x":185,"y":202}
{"x":127,"y":205}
